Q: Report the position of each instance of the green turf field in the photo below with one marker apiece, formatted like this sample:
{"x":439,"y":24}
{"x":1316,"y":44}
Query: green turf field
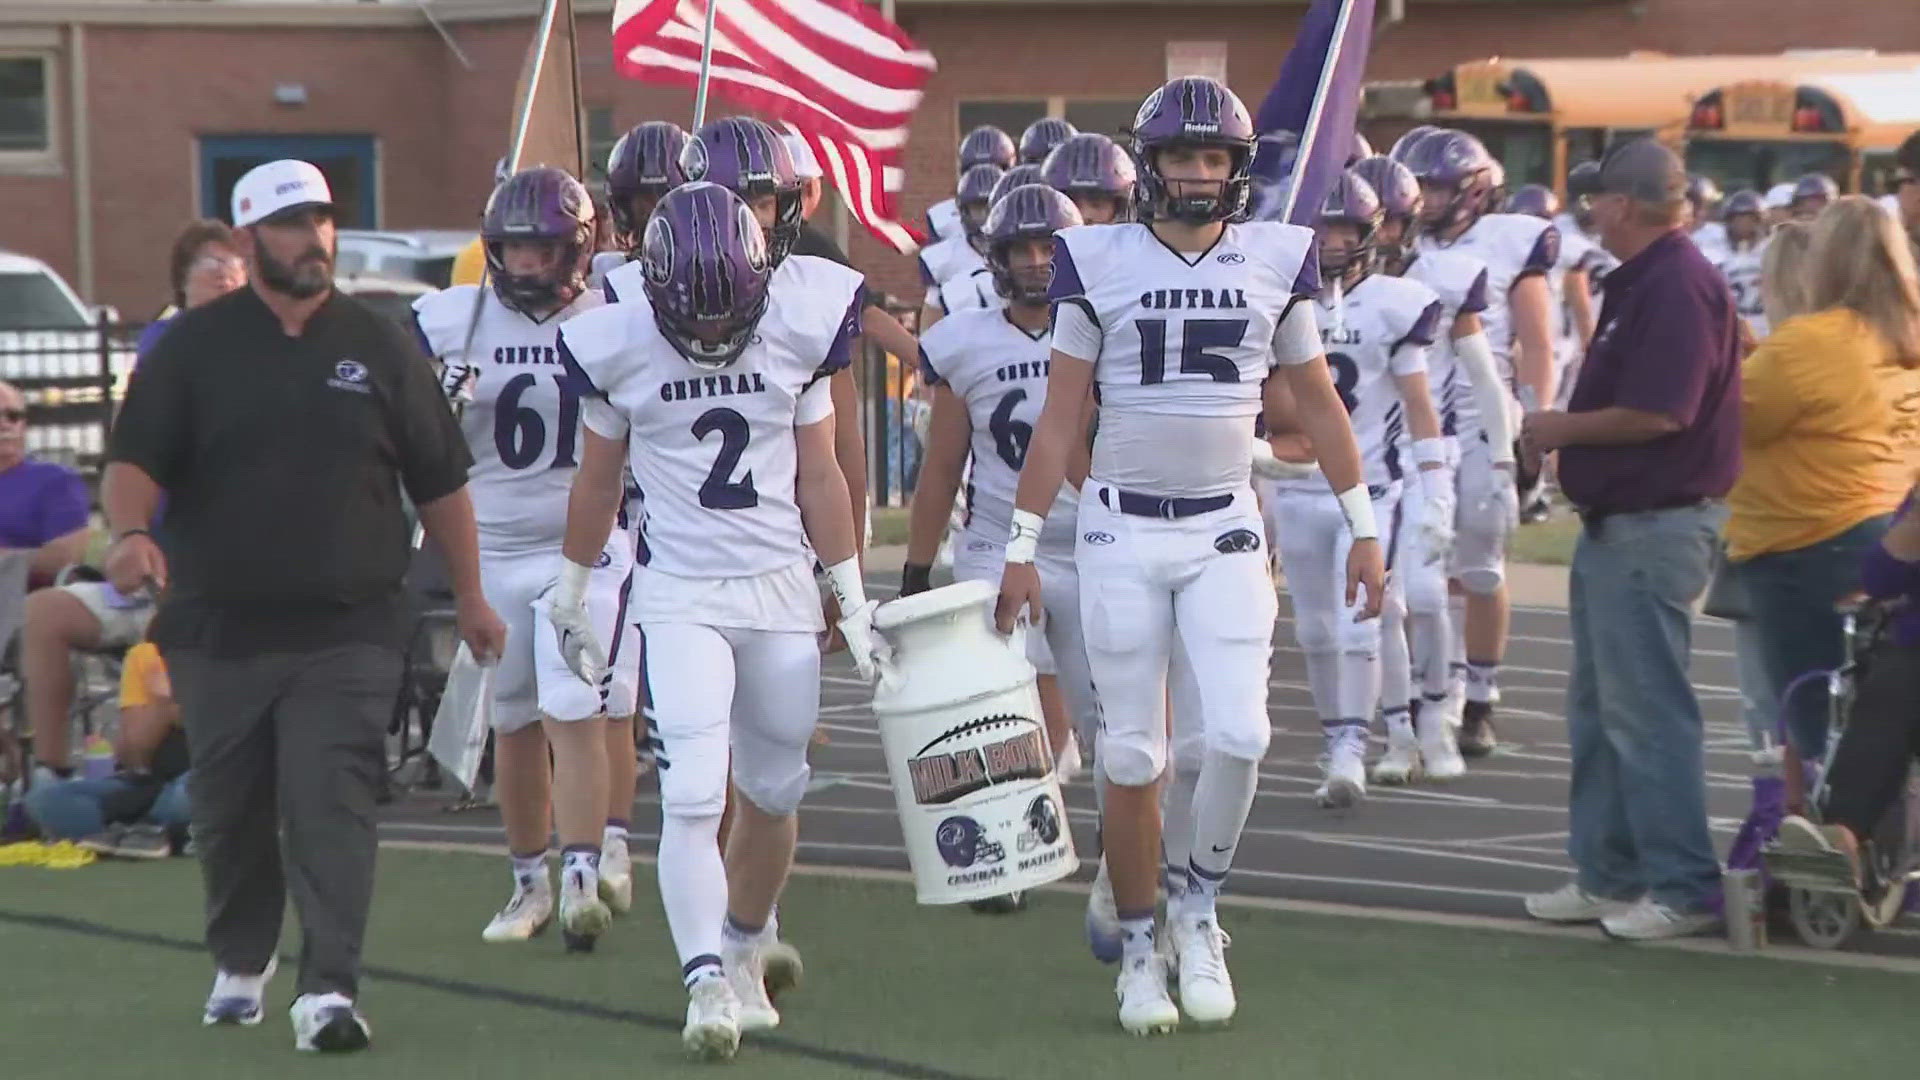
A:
{"x":103,"y":978}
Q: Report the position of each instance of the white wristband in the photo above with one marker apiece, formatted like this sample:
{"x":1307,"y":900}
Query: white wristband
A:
{"x":573,"y":584}
{"x":1357,"y":504}
{"x":848,"y":588}
{"x":1024,"y":538}
{"x":1430,"y":451}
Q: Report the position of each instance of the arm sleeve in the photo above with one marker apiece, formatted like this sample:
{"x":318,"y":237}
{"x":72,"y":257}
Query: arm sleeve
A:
{"x":154,"y":429}
{"x":1075,"y":331}
{"x":1296,"y":338}
{"x":433,"y":453}
{"x":1669,"y":373}
{"x":65,"y":507}
{"x":816,"y":403}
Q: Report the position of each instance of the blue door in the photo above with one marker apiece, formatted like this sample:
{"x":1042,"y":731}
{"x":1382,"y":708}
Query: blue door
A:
{"x":347,"y":161}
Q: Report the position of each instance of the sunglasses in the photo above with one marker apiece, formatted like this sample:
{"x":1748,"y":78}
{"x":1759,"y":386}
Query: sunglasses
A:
{"x":13,"y":416}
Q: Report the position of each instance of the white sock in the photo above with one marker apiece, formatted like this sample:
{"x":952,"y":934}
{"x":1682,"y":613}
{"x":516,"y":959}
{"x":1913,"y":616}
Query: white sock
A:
{"x":1221,"y":803}
{"x":1396,"y":665}
{"x":1359,"y":691}
{"x":583,"y":860}
{"x":1323,"y":678}
{"x":1176,"y":826}
{"x":693,"y":889}
{"x":1483,"y":680}
{"x":530,"y":871}
{"x":613,"y":835}
{"x":1457,"y":650}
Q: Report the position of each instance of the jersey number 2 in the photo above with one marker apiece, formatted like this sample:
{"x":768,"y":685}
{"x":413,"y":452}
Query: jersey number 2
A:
{"x":1196,"y":337}
{"x":520,"y":434}
{"x":719,"y":492}
{"x":1010,"y":436}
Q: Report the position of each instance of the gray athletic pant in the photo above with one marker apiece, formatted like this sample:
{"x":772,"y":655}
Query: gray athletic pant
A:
{"x":288,"y":750}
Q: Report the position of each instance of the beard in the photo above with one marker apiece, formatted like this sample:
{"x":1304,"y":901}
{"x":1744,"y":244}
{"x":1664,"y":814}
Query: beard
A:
{"x":308,"y":275}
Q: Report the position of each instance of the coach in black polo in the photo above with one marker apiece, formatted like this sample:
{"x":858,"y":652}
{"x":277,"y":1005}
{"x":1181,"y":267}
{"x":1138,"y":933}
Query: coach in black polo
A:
{"x":283,"y":421}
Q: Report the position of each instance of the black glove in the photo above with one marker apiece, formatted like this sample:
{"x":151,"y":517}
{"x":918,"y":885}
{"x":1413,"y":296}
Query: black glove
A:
{"x":915,"y":578}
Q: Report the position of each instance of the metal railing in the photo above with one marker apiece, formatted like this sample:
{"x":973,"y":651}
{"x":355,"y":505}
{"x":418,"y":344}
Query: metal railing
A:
{"x":891,"y":404}
{"x":72,"y":380}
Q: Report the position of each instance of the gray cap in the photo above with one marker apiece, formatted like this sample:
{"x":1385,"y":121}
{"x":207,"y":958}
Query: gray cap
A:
{"x":1641,"y":169}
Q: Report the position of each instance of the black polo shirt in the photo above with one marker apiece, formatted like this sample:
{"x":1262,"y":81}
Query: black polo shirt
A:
{"x":283,"y":459}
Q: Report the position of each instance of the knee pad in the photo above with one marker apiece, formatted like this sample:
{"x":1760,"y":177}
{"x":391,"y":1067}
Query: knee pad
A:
{"x":1426,"y":589}
{"x":1245,"y":740}
{"x":776,"y":788}
{"x":1132,"y":758}
{"x":1357,"y":637}
{"x":1480,"y":557}
{"x":692,"y":792}
{"x":1316,"y":631}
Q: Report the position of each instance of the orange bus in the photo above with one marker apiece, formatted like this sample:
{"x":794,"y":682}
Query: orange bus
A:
{"x":1759,"y":132}
{"x":1540,"y":117}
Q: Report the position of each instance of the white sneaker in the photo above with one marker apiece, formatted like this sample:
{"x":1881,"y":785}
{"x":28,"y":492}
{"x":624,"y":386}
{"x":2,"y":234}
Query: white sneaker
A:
{"x":1400,"y":764}
{"x":1572,"y":904}
{"x":1440,"y":757}
{"x":1206,"y":990}
{"x":526,"y":915}
{"x":236,"y":998}
{"x":616,"y":876}
{"x":1346,"y":769}
{"x":1145,"y":1007}
{"x":781,"y":964}
{"x":583,"y":915}
{"x":1650,"y":920}
{"x":328,"y":1023}
{"x":1103,"y":919}
{"x":747,"y":974}
{"x":713,"y":1020}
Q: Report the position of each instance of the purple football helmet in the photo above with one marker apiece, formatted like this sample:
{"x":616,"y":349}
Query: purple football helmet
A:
{"x":1811,"y":194}
{"x":546,"y":205}
{"x":1018,"y":176}
{"x":1193,"y":111}
{"x":1042,"y":136}
{"x":707,"y":267}
{"x":1362,"y":150}
{"x":1404,"y":144}
{"x":645,"y":164}
{"x":1350,"y":201}
{"x":1745,"y":215}
{"x":748,"y":158}
{"x":1458,"y":164}
{"x":1028,"y":212}
{"x":1705,"y":196}
{"x":1534,"y":200}
{"x":1583,"y":176}
{"x":986,"y":145}
{"x":1399,"y":196}
{"x":1091,"y":166}
{"x":973,"y":196}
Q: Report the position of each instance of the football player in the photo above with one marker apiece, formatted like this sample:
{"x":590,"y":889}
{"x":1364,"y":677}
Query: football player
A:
{"x":1096,"y":173}
{"x":1457,"y":182}
{"x":975,"y":288}
{"x":1377,"y":331}
{"x":1746,"y":223}
{"x":1041,"y":136}
{"x":984,"y":145}
{"x":1571,"y":283}
{"x":959,"y":254}
{"x":1704,"y":227}
{"x":644,"y":165}
{"x":988,"y":368}
{"x":496,"y":343}
{"x":1811,"y":194}
{"x":1181,"y":322}
{"x":712,"y":383}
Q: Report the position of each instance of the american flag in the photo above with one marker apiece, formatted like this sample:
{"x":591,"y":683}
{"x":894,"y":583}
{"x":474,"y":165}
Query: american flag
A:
{"x":834,"y":71}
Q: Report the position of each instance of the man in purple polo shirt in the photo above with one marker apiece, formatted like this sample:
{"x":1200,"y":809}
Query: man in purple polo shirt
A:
{"x":1649,"y":444}
{"x":43,"y":506}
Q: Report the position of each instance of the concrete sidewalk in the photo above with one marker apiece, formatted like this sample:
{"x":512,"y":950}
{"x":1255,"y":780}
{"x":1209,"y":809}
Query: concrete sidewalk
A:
{"x":1530,"y":585}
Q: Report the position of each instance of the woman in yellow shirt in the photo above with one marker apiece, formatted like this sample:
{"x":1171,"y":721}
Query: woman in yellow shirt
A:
{"x":1830,"y":441}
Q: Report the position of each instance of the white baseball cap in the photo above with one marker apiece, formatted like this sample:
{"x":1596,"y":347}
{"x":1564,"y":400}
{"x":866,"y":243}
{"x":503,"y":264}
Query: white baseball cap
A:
{"x":805,"y":165}
{"x":278,"y":186}
{"x":1780,"y":196}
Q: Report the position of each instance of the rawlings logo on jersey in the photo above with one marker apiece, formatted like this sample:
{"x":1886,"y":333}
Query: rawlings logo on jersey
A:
{"x":1183,"y":299}
{"x":1230,"y":258}
{"x":942,"y":776}
{"x":1096,"y":537}
{"x":1228,"y":543}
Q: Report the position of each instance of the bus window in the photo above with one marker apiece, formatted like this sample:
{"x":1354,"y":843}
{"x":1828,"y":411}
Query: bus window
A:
{"x":1743,"y":163}
{"x":1525,"y":149}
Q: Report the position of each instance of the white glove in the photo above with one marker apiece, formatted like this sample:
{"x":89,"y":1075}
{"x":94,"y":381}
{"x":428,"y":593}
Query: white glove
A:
{"x":1436,"y":520}
{"x":856,"y":617}
{"x":1268,"y":467}
{"x":581,"y":649}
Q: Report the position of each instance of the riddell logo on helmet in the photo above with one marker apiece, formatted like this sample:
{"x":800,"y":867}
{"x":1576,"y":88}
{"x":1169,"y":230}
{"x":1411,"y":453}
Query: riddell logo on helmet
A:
{"x":1203,"y":129}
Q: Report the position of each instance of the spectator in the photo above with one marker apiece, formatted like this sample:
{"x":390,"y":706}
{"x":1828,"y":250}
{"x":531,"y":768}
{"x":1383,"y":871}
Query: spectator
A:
{"x":1906,"y":189}
{"x":151,"y":783}
{"x":1649,"y":445}
{"x":1831,"y":437}
{"x":201,"y":267}
{"x":43,"y":506}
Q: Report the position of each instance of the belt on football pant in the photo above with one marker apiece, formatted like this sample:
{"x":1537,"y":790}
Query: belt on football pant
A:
{"x":1153,"y":506}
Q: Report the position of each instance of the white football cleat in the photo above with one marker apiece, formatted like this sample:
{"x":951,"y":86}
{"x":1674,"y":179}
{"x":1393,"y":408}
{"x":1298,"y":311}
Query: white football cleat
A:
{"x":236,"y":998}
{"x":1440,"y":756}
{"x":1401,"y":763}
{"x":746,"y":973}
{"x":1145,"y":1007}
{"x":526,"y":915}
{"x":328,"y":1023}
{"x":616,"y":876}
{"x":781,"y":964}
{"x":1206,"y":990}
{"x":713,"y":1020}
{"x":1346,"y":770}
{"x":583,"y":915}
{"x":1103,"y":919}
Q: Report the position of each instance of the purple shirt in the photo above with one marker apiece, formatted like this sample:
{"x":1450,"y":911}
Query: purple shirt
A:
{"x":40,"y":501}
{"x":1885,"y":577}
{"x":1667,"y":341}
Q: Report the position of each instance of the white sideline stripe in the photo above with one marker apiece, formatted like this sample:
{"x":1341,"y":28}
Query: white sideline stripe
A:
{"x":1785,"y":953}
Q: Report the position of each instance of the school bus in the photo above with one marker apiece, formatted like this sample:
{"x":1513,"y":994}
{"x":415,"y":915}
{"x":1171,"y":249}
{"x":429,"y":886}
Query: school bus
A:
{"x":1541,"y":117}
{"x":1759,"y":132}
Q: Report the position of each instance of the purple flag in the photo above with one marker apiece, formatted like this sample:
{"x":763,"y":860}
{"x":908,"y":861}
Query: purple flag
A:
{"x":1316,"y":98}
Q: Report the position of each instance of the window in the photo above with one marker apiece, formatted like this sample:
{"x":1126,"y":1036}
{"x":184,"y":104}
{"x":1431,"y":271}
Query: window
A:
{"x":32,"y":300}
{"x":1011,"y":117}
{"x":1110,"y":118}
{"x":26,"y":109}
{"x":600,"y":139}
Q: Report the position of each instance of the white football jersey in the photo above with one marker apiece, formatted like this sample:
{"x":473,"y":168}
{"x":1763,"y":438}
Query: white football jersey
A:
{"x":1711,"y":239}
{"x":523,"y":424}
{"x":1599,"y":259}
{"x":714,"y":450}
{"x":1460,"y":282}
{"x":967,"y":292}
{"x":1742,"y":270}
{"x":1512,"y":246}
{"x":604,"y":262}
{"x":1000,"y":372}
{"x":943,"y":219}
{"x":950,"y":258}
{"x":1380,"y":329}
{"x":1185,"y":344}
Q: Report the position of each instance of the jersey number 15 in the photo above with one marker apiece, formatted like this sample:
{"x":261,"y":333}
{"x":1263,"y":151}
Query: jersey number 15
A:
{"x":1197,"y":338}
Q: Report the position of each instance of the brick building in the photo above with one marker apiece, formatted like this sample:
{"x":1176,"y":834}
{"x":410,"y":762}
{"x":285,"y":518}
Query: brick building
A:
{"x":119,"y":118}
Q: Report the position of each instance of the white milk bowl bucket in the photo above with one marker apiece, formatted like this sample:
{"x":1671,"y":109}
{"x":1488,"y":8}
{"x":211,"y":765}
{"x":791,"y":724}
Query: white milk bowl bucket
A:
{"x":967,"y":750}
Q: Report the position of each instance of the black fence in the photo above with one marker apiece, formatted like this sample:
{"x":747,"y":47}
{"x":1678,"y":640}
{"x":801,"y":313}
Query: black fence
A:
{"x":889,"y":388}
{"x":72,"y":379}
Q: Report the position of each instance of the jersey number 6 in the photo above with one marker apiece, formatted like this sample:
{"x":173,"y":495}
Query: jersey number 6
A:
{"x":1196,"y":337}
{"x":520,"y":433}
{"x":719,"y":492}
{"x":1010,"y":436}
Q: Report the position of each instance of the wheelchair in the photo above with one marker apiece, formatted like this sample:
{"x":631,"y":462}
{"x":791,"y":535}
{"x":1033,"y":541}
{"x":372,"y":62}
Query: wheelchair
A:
{"x":1826,"y":906}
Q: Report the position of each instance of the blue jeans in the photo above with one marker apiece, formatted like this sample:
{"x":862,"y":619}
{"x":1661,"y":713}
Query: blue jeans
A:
{"x":1793,"y":593}
{"x":1638,"y":807}
{"x":72,"y":809}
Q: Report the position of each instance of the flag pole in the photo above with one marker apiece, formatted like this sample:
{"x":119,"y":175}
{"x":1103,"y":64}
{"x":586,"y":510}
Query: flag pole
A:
{"x":706,"y":68}
{"x":524,"y":121}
